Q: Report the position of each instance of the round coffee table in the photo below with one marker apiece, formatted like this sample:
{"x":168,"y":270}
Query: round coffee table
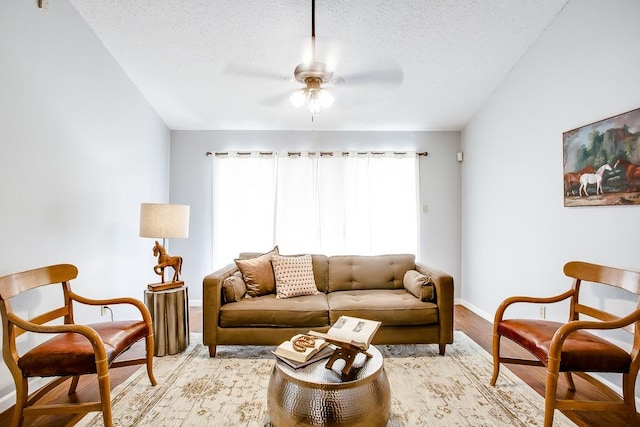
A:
{"x":314,"y":395}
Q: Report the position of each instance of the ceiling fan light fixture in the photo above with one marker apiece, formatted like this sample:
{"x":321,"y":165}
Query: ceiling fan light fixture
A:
{"x":315,"y":99}
{"x":325,"y":98}
{"x":314,"y":105}
{"x":298,"y":98}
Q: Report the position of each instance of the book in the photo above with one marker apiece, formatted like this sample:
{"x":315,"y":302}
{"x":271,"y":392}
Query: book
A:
{"x":300,"y":347}
{"x":320,"y":355}
{"x":351,"y":330}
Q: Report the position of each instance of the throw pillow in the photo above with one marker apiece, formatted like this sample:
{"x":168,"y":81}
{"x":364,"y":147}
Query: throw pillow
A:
{"x":234,"y":288}
{"x":419,"y":285}
{"x":257,"y":273}
{"x":294,"y":276}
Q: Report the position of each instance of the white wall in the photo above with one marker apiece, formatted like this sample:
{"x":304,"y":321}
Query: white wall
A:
{"x":516,"y":233}
{"x":81,"y":148}
{"x":191,"y":184}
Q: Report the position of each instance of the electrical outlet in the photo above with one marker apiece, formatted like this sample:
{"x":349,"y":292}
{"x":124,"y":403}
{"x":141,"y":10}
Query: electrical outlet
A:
{"x":543,"y":312}
{"x":103,"y":310}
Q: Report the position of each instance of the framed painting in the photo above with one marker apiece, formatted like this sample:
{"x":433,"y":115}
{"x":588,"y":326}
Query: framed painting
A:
{"x":602,"y":162}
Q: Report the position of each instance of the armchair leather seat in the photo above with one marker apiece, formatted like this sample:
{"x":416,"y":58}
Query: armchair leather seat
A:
{"x":71,"y":354}
{"x":582,"y":351}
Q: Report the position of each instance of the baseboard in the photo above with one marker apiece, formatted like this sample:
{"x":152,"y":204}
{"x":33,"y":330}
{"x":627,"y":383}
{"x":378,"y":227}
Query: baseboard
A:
{"x":7,"y":401}
{"x":195,"y":303}
{"x":486,"y":316}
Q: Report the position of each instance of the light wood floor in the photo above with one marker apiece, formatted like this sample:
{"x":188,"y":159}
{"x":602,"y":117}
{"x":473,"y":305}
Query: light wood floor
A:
{"x":466,"y":321}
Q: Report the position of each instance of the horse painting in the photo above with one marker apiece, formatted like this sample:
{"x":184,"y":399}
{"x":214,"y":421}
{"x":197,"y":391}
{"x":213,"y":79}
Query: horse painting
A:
{"x":165,"y":260}
{"x":593,"y":178}
{"x":632,"y":173}
{"x":572,"y":179}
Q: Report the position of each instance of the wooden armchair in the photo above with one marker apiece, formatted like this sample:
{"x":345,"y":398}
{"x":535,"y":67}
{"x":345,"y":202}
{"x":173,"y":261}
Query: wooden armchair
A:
{"x":75,"y":349}
{"x":570,"y":347}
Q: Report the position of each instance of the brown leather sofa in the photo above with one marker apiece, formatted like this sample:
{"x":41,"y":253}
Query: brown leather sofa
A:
{"x":370,"y":287}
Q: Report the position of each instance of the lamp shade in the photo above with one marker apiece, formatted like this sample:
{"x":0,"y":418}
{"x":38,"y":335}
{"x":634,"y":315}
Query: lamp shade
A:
{"x":164,"y":221}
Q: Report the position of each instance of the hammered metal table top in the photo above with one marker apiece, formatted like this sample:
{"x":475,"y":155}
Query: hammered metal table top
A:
{"x":317,"y":376}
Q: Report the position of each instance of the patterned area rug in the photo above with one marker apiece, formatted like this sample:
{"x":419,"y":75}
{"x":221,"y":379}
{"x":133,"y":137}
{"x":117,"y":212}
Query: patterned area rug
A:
{"x":231,"y":389}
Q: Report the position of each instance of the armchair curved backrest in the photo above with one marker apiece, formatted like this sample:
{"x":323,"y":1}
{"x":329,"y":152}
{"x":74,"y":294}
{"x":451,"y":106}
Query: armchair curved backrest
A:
{"x":72,"y":350}
{"x":571,"y":347}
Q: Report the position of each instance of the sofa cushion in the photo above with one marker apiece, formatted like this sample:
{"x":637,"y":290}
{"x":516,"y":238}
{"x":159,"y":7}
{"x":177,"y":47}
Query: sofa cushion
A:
{"x":419,"y":285}
{"x":306,"y":311}
{"x":294,"y":276}
{"x":392,"y":307}
{"x":368,"y":272}
{"x":258,"y":273}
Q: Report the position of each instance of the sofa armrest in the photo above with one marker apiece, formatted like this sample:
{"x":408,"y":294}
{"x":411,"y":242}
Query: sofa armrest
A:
{"x":443,"y":284}
{"x":212,"y":301}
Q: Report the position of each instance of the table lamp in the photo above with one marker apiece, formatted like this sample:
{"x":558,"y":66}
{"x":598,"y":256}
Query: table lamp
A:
{"x":167,"y":222}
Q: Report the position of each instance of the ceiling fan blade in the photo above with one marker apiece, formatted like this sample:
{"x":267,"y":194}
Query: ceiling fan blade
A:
{"x":390,"y":76}
{"x":241,"y":70}
{"x":276,"y":100}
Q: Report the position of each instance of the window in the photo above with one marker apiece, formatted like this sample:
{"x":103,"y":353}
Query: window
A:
{"x":326,"y":203}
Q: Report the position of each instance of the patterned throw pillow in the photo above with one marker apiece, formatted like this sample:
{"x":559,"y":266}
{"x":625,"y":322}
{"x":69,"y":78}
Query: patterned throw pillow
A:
{"x":294,"y":276}
{"x":258,"y":273}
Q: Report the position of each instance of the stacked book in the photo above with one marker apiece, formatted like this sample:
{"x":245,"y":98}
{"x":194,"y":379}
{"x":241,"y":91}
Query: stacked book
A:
{"x":305,"y":349}
{"x":302,"y":350}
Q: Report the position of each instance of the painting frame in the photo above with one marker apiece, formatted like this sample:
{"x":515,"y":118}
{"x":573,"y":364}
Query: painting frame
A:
{"x":601,"y":162}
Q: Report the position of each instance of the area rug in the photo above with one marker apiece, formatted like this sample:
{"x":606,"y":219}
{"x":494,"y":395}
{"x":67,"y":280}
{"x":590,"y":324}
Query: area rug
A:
{"x":231,"y":389}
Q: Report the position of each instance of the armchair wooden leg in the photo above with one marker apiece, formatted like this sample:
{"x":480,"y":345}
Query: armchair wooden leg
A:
{"x":102,"y":370}
{"x":628,"y":393}
{"x":105,"y":397}
{"x":212,"y":351}
{"x":550,"y":391}
{"x":74,"y":384}
{"x":22,"y":395}
{"x":442,"y":348}
{"x":496,"y":359}
{"x":150,"y":348}
{"x":569,"y":378}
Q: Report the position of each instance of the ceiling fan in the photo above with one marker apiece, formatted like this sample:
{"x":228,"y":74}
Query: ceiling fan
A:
{"x":314,"y":74}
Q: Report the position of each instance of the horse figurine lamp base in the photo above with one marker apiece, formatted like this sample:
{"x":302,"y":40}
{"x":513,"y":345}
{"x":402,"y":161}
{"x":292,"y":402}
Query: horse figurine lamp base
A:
{"x":164,"y":260}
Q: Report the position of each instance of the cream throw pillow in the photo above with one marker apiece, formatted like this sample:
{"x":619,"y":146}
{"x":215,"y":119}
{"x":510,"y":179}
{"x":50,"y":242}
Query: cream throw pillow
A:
{"x":294,"y":276}
{"x":257,"y":273}
{"x":419,"y":285}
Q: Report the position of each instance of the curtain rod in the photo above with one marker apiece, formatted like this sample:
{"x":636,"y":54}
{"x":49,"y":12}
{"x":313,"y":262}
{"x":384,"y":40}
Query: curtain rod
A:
{"x":312,"y":153}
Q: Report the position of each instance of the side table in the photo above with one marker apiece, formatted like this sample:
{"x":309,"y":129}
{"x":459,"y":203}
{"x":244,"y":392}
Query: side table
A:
{"x":170,"y":313}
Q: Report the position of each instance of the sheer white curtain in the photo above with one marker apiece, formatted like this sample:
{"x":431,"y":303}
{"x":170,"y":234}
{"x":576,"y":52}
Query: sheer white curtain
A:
{"x":329,"y":203}
{"x":243,"y":205}
{"x":297,"y":204}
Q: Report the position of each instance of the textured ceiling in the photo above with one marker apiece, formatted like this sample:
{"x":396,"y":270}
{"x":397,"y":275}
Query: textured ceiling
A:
{"x":192,"y":59}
